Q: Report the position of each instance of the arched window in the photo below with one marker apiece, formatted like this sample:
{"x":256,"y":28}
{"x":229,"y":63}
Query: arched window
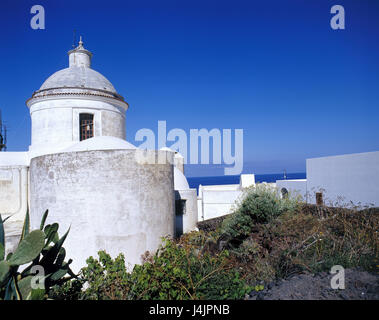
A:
{"x":85,"y":126}
{"x":284,"y":192}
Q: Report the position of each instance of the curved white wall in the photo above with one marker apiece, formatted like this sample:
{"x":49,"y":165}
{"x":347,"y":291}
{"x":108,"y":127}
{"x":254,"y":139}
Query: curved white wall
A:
{"x":55,"y":123}
{"x":110,"y":201}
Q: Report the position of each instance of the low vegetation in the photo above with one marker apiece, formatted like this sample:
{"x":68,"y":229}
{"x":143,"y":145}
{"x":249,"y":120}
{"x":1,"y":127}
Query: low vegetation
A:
{"x":265,"y":238}
{"x":175,"y":272}
{"x":260,"y":204}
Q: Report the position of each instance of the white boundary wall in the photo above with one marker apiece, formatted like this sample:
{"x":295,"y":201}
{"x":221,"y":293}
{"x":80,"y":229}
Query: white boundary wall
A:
{"x":354,"y":177}
{"x":296,"y":187}
{"x":218,"y":200}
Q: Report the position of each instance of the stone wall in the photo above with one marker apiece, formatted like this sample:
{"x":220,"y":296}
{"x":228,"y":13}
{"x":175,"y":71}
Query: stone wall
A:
{"x":107,"y":199}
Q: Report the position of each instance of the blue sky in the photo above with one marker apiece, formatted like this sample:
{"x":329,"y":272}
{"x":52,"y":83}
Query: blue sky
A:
{"x":273,"y":68}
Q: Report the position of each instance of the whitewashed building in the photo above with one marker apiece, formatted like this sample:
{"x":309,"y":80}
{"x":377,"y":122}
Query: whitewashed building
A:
{"x":350,"y":179}
{"x":81,"y":168}
{"x":218,"y":200}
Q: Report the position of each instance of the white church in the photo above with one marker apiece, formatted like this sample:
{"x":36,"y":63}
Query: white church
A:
{"x":80,"y":167}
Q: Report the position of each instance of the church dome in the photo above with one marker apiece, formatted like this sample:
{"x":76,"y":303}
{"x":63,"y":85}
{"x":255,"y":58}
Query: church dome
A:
{"x":78,"y":80}
{"x":78,"y":77}
{"x":79,"y":73}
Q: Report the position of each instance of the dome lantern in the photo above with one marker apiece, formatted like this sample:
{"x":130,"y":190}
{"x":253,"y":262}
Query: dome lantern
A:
{"x":80,"y":57}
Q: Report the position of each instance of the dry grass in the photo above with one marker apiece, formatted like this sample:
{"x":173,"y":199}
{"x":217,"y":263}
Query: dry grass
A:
{"x":310,"y":239}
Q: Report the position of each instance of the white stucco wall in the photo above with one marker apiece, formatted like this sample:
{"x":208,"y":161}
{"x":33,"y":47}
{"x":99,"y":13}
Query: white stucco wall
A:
{"x":109,"y":200}
{"x":13,"y":191}
{"x":188,"y":220}
{"x":355,"y":177}
{"x":247,"y":180}
{"x":295,"y":187}
{"x":13,"y":194}
{"x":55,"y":122}
{"x":14,"y":169}
{"x":14,"y":159}
{"x":217,"y":200}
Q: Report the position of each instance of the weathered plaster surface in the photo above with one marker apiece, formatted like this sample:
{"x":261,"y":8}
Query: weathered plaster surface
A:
{"x":110,"y":201}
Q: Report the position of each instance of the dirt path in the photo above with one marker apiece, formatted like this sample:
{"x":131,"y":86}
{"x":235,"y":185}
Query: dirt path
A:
{"x":359,"y":285}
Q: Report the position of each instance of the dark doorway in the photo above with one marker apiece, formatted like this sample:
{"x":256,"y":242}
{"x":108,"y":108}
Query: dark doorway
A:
{"x":180,"y":210}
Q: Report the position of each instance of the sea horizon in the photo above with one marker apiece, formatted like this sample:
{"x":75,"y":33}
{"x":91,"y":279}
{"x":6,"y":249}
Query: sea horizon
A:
{"x":194,"y":182}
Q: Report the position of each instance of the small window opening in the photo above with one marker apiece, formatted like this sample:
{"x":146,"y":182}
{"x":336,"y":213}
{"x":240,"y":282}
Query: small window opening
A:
{"x":86,"y":126}
{"x":284,"y":193}
{"x":319,"y":199}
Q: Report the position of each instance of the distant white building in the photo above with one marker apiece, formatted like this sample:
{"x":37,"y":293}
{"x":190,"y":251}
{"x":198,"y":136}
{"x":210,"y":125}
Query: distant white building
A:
{"x":217,"y":200}
{"x":351,"y":179}
{"x":343,"y":179}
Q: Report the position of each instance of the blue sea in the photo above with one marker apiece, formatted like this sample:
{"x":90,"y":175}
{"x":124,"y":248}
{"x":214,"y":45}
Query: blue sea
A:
{"x":194,"y":182}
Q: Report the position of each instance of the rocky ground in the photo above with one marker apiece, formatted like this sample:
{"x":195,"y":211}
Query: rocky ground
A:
{"x":359,"y":285}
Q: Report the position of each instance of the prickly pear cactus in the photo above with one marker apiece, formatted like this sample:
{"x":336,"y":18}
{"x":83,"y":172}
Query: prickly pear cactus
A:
{"x":43,"y":250}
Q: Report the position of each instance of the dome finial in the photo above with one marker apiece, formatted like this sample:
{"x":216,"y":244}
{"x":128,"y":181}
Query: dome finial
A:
{"x":80,"y":43}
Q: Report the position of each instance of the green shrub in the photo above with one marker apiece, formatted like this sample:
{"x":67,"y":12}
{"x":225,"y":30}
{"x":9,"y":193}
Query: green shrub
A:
{"x":175,"y":272}
{"x":183,"y":272}
{"x":259,"y":204}
{"x":69,"y":290}
{"x":107,"y":278}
